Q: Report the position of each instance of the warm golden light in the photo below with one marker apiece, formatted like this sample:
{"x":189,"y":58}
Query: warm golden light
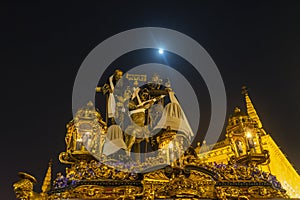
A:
{"x":248,"y":135}
{"x":247,"y":164}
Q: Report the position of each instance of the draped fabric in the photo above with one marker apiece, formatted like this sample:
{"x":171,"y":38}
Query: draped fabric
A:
{"x":174,"y":117}
{"x":114,"y":140}
{"x":111,"y":108}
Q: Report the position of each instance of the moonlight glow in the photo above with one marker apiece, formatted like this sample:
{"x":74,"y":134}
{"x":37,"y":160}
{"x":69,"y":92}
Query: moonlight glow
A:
{"x":160,"y":51}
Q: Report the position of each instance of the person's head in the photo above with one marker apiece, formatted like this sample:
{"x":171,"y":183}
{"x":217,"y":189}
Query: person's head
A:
{"x":144,"y":94}
{"x":118,"y":74}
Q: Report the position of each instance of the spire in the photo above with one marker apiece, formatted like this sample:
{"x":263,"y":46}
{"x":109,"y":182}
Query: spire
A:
{"x":47,"y":179}
{"x":250,"y":108}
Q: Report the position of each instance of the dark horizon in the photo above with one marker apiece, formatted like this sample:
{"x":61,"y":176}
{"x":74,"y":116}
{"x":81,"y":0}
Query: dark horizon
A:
{"x":255,"y":44}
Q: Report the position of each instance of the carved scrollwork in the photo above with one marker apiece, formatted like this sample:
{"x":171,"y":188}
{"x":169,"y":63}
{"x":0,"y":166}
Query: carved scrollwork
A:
{"x":228,"y":192}
{"x":266,"y":192}
{"x":156,"y":176}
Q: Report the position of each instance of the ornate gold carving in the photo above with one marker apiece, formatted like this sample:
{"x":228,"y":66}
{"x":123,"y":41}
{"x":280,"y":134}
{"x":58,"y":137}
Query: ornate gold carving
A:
{"x":228,"y":192}
{"x":128,"y":192}
{"x":191,"y":175}
{"x":156,"y":176}
{"x":266,"y":192}
{"x":85,"y":133}
{"x":24,"y":188}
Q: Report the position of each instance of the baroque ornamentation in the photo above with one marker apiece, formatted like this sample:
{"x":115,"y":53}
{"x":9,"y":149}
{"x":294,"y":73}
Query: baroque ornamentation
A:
{"x":236,"y":168}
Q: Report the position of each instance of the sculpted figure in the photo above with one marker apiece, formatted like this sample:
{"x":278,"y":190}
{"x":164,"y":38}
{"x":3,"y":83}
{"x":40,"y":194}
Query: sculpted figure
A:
{"x":24,"y":188}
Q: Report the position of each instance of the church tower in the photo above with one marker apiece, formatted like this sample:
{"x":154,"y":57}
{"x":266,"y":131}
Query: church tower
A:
{"x":248,"y":143}
{"x":279,"y":165}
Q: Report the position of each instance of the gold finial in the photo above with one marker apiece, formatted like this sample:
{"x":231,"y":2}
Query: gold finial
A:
{"x":47,"y":179}
{"x":250,"y":108}
{"x":237,"y":110}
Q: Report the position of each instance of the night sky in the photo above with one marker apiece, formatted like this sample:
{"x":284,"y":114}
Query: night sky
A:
{"x":43,"y":45}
